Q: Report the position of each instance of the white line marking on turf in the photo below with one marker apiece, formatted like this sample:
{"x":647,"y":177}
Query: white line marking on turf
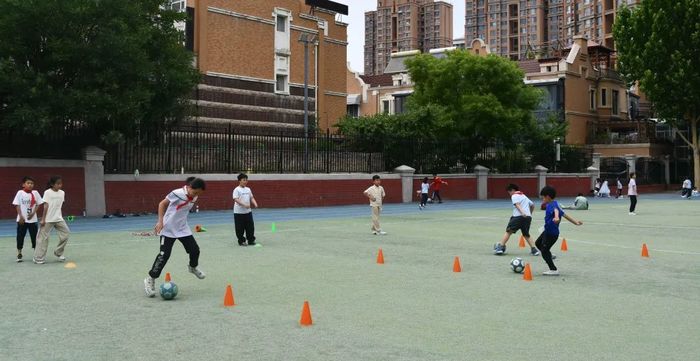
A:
{"x":628,"y":247}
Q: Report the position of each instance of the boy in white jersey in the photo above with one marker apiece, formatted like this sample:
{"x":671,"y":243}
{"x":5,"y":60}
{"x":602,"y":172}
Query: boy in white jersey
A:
{"x":521,"y":220}
{"x":376,"y":195}
{"x":26,"y":202}
{"x":242,"y":212}
{"x":172,"y":225}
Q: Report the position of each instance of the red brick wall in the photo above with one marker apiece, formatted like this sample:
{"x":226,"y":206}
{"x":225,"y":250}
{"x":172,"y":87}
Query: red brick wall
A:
{"x":73,"y":185}
{"x":570,"y":187}
{"x":497,"y":187}
{"x":131,"y":196}
{"x":457,"y":188}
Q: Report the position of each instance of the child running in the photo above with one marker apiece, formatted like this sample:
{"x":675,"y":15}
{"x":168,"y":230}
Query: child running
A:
{"x":242,"y":212}
{"x":521,"y":220}
{"x":423,"y":193}
{"x":27,"y":202}
{"x":376,"y":195}
{"x":550,"y":235}
{"x":436,"y":185}
{"x":52,"y":218}
{"x":172,"y":225}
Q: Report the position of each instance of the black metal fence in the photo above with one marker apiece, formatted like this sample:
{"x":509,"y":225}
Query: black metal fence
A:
{"x":216,"y":149}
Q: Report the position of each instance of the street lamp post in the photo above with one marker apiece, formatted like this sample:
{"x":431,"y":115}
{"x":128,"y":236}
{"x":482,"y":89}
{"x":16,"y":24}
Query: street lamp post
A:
{"x":307,"y":40}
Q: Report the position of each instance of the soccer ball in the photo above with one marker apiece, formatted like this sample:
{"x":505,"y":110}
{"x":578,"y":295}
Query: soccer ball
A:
{"x":517,"y":265}
{"x":168,"y":290}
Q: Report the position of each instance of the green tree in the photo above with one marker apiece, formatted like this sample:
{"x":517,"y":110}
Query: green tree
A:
{"x":482,"y":99}
{"x":114,"y":66}
{"x":658,"y":45}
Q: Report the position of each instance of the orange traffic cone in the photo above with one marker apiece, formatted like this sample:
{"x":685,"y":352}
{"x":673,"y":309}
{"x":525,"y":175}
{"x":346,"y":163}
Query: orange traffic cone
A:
{"x":306,"y":315}
{"x":199,"y":228}
{"x":167,"y":277}
{"x":456,"y":267}
{"x":522,"y":242}
{"x":645,"y":250}
{"x":228,"y":297}
{"x":564,"y":246}
{"x":380,"y":257}
{"x":527,"y":274}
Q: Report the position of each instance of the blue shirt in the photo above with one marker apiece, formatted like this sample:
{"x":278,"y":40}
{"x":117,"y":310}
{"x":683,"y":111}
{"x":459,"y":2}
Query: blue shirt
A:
{"x":550,"y":227}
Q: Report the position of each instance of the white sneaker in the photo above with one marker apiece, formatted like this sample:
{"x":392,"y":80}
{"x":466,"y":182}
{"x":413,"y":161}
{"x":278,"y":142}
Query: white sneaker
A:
{"x":150,"y":286}
{"x":197,"y":272}
{"x":38,"y":261}
{"x":61,"y":258}
{"x":381,"y":233}
{"x":375,"y":233}
{"x":551,"y":273}
{"x":633,"y":214}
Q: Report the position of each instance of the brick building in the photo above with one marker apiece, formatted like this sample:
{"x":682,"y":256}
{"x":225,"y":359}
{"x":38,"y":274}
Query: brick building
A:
{"x":404,"y":25}
{"x":252,"y":63}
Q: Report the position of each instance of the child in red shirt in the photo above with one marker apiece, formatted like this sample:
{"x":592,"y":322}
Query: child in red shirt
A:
{"x":437,"y":182}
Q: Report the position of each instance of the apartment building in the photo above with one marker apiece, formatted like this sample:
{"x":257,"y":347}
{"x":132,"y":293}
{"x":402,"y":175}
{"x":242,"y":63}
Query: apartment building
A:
{"x":520,"y":29}
{"x":252,"y":63}
{"x":404,"y":25}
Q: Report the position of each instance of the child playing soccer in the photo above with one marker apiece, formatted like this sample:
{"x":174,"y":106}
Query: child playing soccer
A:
{"x":242,"y":211}
{"x":376,"y":195}
{"x":52,"y":218}
{"x":27,"y":202}
{"x":423,"y":193}
{"x":521,"y":220}
{"x":550,"y":235}
{"x":172,"y":225}
{"x":437,"y":184}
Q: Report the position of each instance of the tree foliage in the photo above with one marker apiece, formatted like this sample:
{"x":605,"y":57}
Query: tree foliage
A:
{"x":114,"y":66}
{"x":658,"y":45}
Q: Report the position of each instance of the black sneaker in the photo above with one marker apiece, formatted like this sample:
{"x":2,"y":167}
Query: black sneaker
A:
{"x":242,"y":244}
{"x":534,"y":251}
{"x":19,"y":257}
{"x":499,"y":249}
{"x":251,"y":243}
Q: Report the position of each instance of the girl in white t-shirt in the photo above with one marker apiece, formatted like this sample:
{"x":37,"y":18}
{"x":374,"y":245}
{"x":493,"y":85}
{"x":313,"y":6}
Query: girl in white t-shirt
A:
{"x":53,"y":218}
{"x":27,"y":202}
{"x":423,"y":193}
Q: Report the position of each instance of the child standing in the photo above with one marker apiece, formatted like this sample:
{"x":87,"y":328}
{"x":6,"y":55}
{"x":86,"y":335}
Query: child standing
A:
{"x":52,"y":218}
{"x":632,"y":193}
{"x":376,"y":195}
{"x":27,"y":202}
{"x":437,"y":184}
{"x":242,"y":211}
{"x":619,"y":188}
{"x":550,"y":235}
{"x":423,"y":193}
{"x":521,"y":220}
{"x":172,"y":225}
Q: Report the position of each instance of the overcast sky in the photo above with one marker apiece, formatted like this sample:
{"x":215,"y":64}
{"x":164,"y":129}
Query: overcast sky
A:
{"x":356,"y":30}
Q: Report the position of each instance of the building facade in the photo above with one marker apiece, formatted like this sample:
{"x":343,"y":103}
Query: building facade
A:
{"x":520,"y":29}
{"x":403,"y":25}
{"x":251,"y":58}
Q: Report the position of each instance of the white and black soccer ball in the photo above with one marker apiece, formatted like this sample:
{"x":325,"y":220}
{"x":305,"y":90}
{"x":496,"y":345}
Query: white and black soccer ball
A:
{"x":517,"y":265}
{"x":168,"y":290}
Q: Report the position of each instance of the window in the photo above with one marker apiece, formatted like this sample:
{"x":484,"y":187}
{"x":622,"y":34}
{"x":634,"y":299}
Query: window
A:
{"x":281,"y":23}
{"x":615,"y":99}
{"x":353,"y":110}
{"x":385,"y":106}
{"x":282,"y":85}
{"x":603,"y":97}
{"x":592,"y":99}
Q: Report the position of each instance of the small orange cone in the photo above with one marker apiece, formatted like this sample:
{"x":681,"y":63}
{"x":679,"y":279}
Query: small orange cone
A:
{"x":167,"y":277}
{"x":199,"y":228}
{"x":527,"y":274}
{"x":306,"y":315}
{"x":456,"y":267}
{"x":645,"y":251}
{"x":228,"y":297}
{"x":522,"y":242}
{"x":380,"y":257}
{"x":564,"y":246}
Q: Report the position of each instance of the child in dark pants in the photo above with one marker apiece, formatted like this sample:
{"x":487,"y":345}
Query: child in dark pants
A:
{"x":550,"y":235}
{"x":242,"y":212}
{"x":27,"y":202}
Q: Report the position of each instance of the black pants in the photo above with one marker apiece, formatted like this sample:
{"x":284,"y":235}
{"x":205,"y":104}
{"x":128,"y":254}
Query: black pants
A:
{"x":244,"y":226}
{"x":687,"y":192}
{"x":436,"y":195}
{"x":633,"y":203}
{"x":544,"y":243}
{"x":22,"y":229}
{"x":423,"y":199}
{"x":166,"y":246}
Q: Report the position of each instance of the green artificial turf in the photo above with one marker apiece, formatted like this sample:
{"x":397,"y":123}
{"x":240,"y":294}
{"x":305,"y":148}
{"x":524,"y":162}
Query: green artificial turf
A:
{"x":609,"y":303}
